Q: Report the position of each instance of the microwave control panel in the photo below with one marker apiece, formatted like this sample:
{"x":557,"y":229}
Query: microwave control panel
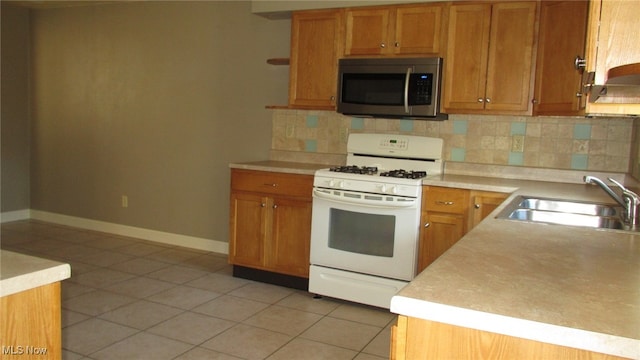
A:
{"x":420,"y":89}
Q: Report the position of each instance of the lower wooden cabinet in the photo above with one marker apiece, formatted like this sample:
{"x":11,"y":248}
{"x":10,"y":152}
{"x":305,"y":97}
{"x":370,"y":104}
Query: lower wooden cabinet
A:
{"x":447,"y":215}
{"x":270,"y":221}
{"x":414,"y":339}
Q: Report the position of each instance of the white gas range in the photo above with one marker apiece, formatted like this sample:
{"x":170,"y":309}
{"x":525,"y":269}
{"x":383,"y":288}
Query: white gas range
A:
{"x":366,"y":217}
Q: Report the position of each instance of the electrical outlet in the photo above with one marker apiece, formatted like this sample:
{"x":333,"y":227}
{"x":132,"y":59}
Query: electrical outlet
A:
{"x":290,"y":131}
{"x":517,"y":143}
{"x":125,"y":201}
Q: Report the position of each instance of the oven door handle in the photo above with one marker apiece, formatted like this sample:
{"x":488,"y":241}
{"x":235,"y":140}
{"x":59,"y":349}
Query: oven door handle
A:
{"x":364,"y":202}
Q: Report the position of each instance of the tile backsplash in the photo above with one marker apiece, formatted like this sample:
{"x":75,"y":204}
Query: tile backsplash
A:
{"x":570,"y":143}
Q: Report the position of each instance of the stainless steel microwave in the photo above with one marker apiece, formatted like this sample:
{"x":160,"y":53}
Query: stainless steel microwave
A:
{"x":390,"y":88}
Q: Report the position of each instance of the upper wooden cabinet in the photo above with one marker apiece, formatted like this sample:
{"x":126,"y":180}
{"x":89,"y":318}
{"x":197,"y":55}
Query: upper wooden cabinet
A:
{"x":396,"y":30}
{"x":317,"y":39}
{"x":612,"y":40}
{"x":561,"y":38}
{"x":489,"y":62}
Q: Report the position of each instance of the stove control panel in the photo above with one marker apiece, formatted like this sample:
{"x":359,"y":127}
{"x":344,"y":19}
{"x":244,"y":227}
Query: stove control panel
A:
{"x":394,"y":143}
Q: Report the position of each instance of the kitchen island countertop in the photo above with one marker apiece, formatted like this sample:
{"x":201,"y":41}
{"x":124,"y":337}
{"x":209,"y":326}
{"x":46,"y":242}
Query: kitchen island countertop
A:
{"x":570,"y":286}
{"x":19,"y":272}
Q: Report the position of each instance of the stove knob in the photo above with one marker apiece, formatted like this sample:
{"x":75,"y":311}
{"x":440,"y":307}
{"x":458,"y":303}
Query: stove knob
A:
{"x":341,"y":184}
{"x":383,"y":188}
{"x":332,"y":183}
{"x":394,"y":190}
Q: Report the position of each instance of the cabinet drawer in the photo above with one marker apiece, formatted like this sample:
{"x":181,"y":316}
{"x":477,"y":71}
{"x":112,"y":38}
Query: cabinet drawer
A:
{"x":272,"y":182}
{"x":445,"y":200}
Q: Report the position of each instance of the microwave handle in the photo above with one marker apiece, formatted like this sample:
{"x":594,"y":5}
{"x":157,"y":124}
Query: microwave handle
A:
{"x":406,"y":90}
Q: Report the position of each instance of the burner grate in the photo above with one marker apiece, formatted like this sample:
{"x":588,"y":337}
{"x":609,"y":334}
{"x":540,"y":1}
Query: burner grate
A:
{"x":405,"y":174}
{"x":353,"y":169}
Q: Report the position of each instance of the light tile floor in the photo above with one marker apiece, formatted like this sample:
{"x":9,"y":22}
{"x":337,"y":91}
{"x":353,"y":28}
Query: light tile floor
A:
{"x":134,"y":299}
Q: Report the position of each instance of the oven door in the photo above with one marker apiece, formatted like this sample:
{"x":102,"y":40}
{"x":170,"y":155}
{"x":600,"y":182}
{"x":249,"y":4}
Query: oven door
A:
{"x":365,"y":233}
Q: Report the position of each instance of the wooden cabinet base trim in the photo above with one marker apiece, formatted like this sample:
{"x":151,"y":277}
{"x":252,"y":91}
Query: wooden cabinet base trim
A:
{"x":269,"y":277}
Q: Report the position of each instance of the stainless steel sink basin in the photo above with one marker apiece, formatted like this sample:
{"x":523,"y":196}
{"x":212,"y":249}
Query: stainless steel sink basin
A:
{"x":562,"y":218}
{"x":564,"y":212}
{"x":569,"y":207}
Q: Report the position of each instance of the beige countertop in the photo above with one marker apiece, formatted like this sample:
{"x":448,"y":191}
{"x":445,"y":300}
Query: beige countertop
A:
{"x":279,"y":166}
{"x":564,"y":285}
{"x":19,"y":272}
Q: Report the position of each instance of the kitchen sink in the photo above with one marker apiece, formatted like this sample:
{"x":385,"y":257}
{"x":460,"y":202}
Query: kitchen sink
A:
{"x":564,"y":212}
{"x":571,"y":207}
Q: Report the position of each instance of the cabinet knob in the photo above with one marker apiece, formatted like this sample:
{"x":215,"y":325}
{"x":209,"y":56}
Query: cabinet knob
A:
{"x":427,"y":225}
{"x":488,"y":100}
{"x":477,"y":206}
{"x":263,"y":205}
{"x":272,"y":185}
{"x":578,"y":94}
{"x":534,"y":101}
{"x":444,"y":202}
{"x":480,"y":100}
{"x":383,"y":45}
{"x":579,"y":63}
{"x":397,"y":44}
{"x":275,"y":206}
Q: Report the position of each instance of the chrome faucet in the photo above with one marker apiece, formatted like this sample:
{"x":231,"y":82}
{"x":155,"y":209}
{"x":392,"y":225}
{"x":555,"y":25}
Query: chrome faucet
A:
{"x":629,"y":200}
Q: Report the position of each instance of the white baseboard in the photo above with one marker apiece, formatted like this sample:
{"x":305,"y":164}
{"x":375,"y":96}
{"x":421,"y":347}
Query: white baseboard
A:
{"x":17,"y":215}
{"x":131,"y":231}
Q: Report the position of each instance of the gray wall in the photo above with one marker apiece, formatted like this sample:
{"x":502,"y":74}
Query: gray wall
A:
{"x":14,"y":107}
{"x":151,"y":100}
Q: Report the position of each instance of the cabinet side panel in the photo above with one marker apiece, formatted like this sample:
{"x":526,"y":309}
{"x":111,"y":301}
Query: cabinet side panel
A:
{"x":433,"y":340}
{"x":32,"y":319}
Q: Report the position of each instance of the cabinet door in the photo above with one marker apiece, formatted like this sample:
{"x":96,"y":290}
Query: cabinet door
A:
{"x":290,"y":236}
{"x":418,"y":30}
{"x":465,"y":65}
{"x":509,"y":72}
{"x":440,"y":232}
{"x":482,"y":204}
{"x":316,"y":44}
{"x":248,"y":226}
{"x":367,"y":31}
{"x":558,"y":87}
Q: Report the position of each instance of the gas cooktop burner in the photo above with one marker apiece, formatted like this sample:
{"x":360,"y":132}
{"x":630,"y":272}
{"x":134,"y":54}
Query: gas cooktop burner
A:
{"x":372,"y":170}
{"x":404,"y":174}
{"x":352,"y":169}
